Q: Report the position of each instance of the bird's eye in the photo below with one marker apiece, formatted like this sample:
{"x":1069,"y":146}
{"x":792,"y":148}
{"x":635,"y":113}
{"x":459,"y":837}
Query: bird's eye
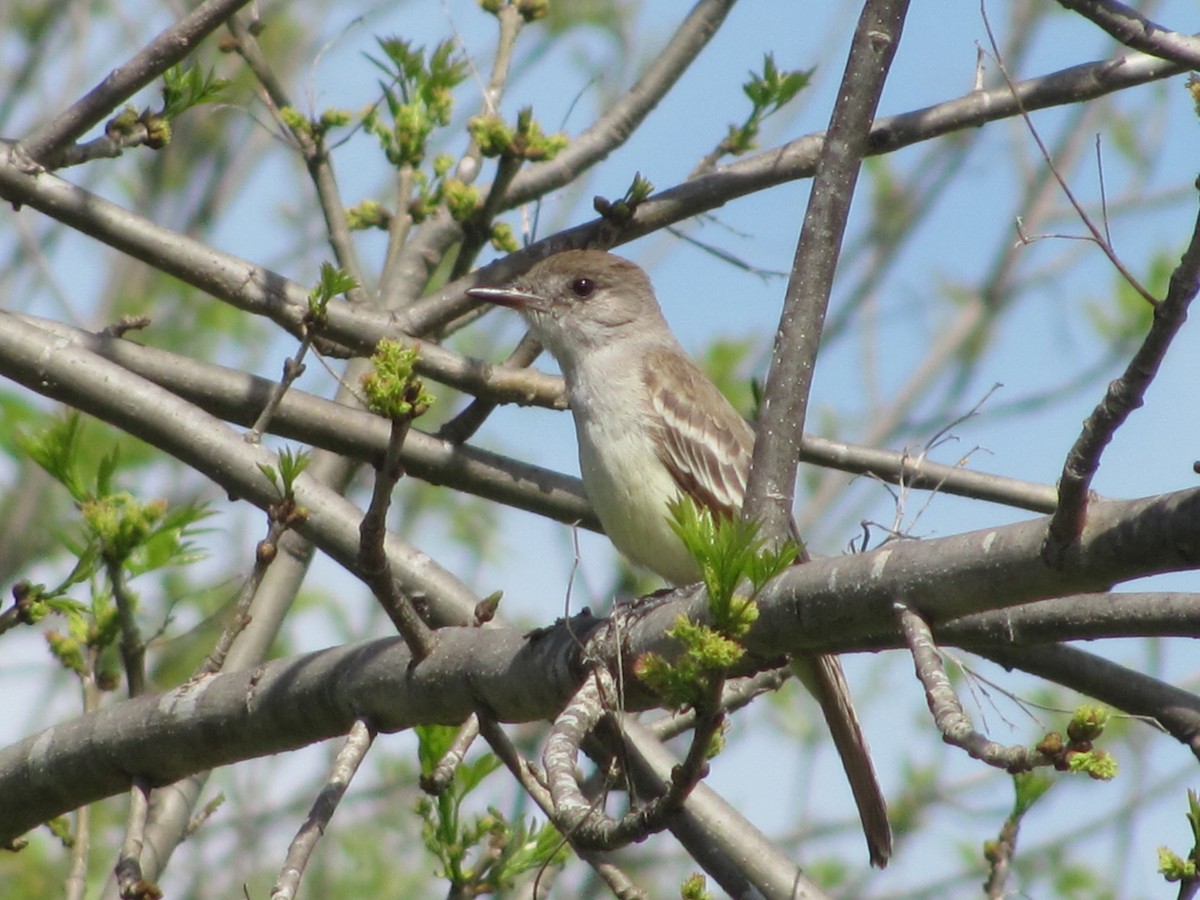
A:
{"x":583,"y":288}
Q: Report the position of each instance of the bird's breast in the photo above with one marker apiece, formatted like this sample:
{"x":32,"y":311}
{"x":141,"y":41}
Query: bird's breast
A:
{"x":629,"y":487}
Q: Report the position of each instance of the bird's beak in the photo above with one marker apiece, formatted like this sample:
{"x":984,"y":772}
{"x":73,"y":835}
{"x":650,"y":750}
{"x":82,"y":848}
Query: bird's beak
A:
{"x":510,"y":297}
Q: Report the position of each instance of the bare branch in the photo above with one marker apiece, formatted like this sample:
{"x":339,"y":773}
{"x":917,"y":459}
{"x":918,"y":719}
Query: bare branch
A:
{"x":771,"y":486}
{"x":167,"y":49}
{"x":951,"y":719}
{"x":212,"y":448}
{"x":1134,"y":30}
{"x":1080,"y":617}
{"x":995,"y":568}
{"x":251,"y":287}
{"x":349,"y":758}
{"x":1122,"y":397}
{"x":349,"y":432}
{"x":130,"y":881}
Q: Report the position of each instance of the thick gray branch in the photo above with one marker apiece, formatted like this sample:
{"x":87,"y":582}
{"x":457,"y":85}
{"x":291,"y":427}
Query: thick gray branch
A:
{"x":69,"y":373}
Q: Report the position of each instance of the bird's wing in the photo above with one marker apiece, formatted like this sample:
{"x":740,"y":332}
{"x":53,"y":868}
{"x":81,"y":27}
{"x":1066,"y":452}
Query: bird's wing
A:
{"x":703,"y":442}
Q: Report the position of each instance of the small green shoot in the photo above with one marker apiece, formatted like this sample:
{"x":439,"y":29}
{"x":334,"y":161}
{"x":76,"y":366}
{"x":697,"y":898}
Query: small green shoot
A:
{"x":524,"y":141}
{"x":186,"y":88}
{"x":331,"y":283}
{"x":368,"y":215}
{"x":729,"y":553}
{"x":620,"y":212}
{"x":482,"y":853}
{"x":1028,"y":789}
{"x":768,"y":93}
{"x":418,"y":95}
{"x":695,"y":887}
{"x":291,"y":464}
{"x":1170,"y":864}
{"x":1193,"y":88}
{"x":119,"y":538}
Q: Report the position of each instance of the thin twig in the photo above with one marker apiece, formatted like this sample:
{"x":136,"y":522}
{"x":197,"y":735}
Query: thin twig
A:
{"x":616,"y":879}
{"x":373,"y":558}
{"x":293,"y":368}
{"x":622,"y":119}
{"x":77,"y":880}
{"x":437,"y":780}
{"x":952,"y":721}
{"x":737,"y":693}
{"x":316,"y":158}
{"x":1173,"y":708}
{"x":460,"y":429}
{"x":477,"y":231}
{"x":999,"y":855}
{"x":130,"y":882}
{"x":132,"y":644}
{"x":281,"y":517}
{"x":349,"y":758}
{"x":1097,"y":237}
{"x":1121,"y":398}
{"x":584,"y":820}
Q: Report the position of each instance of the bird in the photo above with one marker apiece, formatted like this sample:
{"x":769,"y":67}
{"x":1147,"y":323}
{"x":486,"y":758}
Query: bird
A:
{"x":652,"y":427}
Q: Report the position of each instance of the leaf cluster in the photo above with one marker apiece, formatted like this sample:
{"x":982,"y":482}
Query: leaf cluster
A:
{"x":1173,"y":867}
{"x":332,"y":282}
{"x":1077,"y":753}
{"x":620,"y":212}
{"x":119,"y":537}
{"x":418,"y":94}
{"x":291,"y":464}
{"x":187,"y":88}
{"x":391,"y":388}
{"x":525,"y":141}
{"x":478,"y":853}
{"x":182,"y":90}
{"x":730,"y":554}
{"x":768,"y":93}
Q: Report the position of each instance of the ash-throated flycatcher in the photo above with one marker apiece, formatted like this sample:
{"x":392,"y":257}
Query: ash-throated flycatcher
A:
{"x":652,"y":426}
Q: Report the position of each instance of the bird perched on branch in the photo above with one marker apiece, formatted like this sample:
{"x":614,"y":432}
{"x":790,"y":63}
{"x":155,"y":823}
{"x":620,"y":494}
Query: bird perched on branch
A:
{"x":651,"y":427}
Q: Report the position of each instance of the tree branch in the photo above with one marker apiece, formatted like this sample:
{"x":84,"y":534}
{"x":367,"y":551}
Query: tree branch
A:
{"x":825,"y":605}
{"x":1134,"y":30}
{"x":1177,"y":710}
{"x":213,"y":449}
{"x":771,"y":487}
{"x":1122,"y":397}
{"x":168,"y":48}
{"x":614,"y":127}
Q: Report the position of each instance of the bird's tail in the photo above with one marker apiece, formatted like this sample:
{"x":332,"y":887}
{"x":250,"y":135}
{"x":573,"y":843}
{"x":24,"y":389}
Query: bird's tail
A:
{"x":823,"y":677}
